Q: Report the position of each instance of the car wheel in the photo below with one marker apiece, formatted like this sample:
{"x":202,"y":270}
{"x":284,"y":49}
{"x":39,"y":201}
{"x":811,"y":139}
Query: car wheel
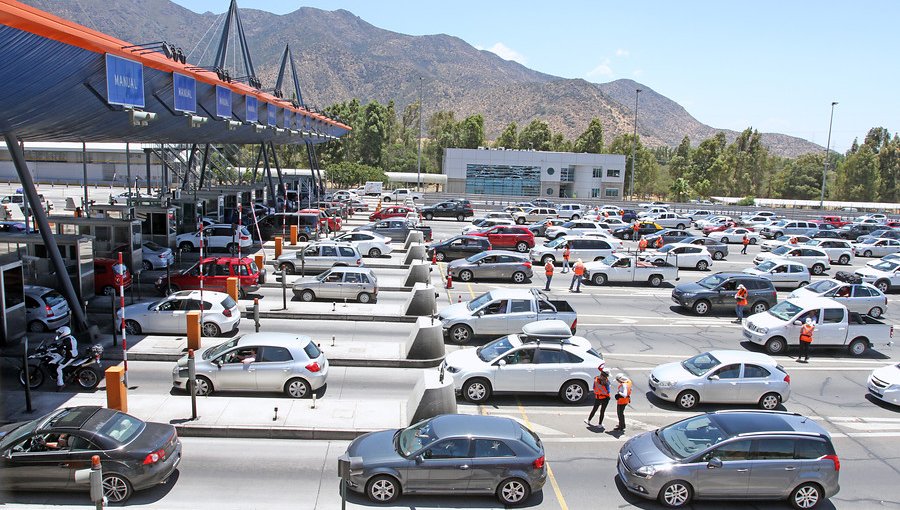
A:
{"x":680,"y":226}
{"x":146,"y":265}
{"x":186,"y":247}
{"x":521,"y":247}
{"x":518,"y":277}
{"x":759,"y":307}
{"x":465,"y":275}
{"x":513,"y":491}
{"x":460,"y":217}
{"x":702,"y":265}
{"x":717,"y":255}
{"x":307,"y":296}
{"x":387,"y":199}
{"x":211,"y":329}
{"x":364,"y":297}
{"x":132,"y":327}
{"x":599,"y":279}
{"x":109,"y":290}
{"x":116,"y":488}
{"x":769,"y":401}
{"x":858,"y":347}
{"x":883,"y":285}
{"x":776,"y":345}
{"x":429,"y":216}
{"x":818,"y":269}
{"x":776,"y":235}
{"x":655,"y":280}
{"x":287,"y":267}
{"x":88,"y":378}
{"x":383,"y":489}
{"x":628,"y":236}
{"x":242,"y":294}
{"x":548,"y":259}
{"x":701,"y":307}
{"x":844,"y":260}
{"x":753,"y":240}
{"x":573,"y":392}
{"x":876,"y":311}
{"x":460,"y":334}
{"x":477,"y":390}
{"x":374,"y":252}
{"x":867,"y":253}
{"x":520,"y":220}
{"x":39,"y":327}
{"x":687,"y":399}
{"x":675,"y":494}
{"x":575,"y":217}
{"x":297,"y":388}
{"x":439,"y":256}
{"x":724,"y":240}
{"x":806,"y":496}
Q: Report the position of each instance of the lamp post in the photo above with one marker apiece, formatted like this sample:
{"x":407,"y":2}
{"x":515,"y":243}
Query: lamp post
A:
{"x":825,"y":164}
{"x":419,"y":156}
{"x":637,"y":92}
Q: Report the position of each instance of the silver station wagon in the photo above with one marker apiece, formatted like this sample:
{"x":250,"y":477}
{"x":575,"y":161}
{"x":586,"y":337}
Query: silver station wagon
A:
{"x":351,"y":283}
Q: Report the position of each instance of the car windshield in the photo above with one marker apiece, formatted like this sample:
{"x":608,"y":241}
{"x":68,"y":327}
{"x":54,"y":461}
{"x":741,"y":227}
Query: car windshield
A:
{"x":870,"y":240}
{"x":559,"y":241}
{"x":781,"y":250}
{"x":476,"y":257}
{"x":490,"y":351}
{"x":783,"y":238}
{"x":886,"y":265}
{"x":324,"y":276}
{"x":412,"y":439}
{"x":766,"y":266}
{"x":785,"y":310}
{"x":822,"y":286}
{"x":212,"y":352}
{"x":700,"y":364}
{"x":568,"y":224}
{"x":711,"y":282}
{"x":610,"y":260}
{"x":18,"y":433}
{"x":479,"y":301}
{"x":692,"y":435}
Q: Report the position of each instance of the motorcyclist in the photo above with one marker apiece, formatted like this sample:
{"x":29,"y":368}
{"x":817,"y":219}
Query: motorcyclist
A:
{"x":63,"y":353}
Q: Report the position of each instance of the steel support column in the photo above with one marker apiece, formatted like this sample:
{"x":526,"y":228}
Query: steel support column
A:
{"x":86,"y":203}
{"x":147,"y":154}
{"x":203,"y":168}
{"x":281,"y":188}
{"x":265,"y":154}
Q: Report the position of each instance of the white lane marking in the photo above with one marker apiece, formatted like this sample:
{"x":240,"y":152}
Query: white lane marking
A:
{"x":669,"y":325}
{"x":614,"y":355}
{"x":625,"y":437}
{"x":790,"y":369}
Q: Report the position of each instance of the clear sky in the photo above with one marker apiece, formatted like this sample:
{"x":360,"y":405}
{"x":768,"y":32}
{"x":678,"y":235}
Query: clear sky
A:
{"x":775,"y":65}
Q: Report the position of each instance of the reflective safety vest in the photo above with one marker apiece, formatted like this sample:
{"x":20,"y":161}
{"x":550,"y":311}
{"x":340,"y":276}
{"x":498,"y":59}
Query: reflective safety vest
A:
{"x":642,"y":244}
{"x":601,"y":390}
{"x":806,"y":333}
{"x":746,"y":239}
{"x":548,"y":268}
{"x":578,"y":269}
{"x":566,"y":253}
{"x":741,"y":297}
{"x":659,"y":242}
{"x":624,"y":392}
{"x":635,"y":227}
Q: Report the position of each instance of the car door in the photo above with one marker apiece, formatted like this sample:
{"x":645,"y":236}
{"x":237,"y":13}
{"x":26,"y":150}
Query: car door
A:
{"x":515,"y":371}
{"x":488,"y":464}
{"x":798,"y":274}
{"x":492,"y":318}
{"x":330,"y":285}
{"x":755,"y":382}
{"x":774,"y":470}
{"x":448,"y":464}
{"x":352,"y":286}
{"x":169,"y":317}
{"x":236,"y":371}
{"x":732,"y":478}
{"x":550,"y":371}
{"x":520,"y":314}
{"x":34,"y":466}
{"x":723,"y":385}
{"x":864,"y":299}
{"x":832,"y":328}
{"x":273,"y":368}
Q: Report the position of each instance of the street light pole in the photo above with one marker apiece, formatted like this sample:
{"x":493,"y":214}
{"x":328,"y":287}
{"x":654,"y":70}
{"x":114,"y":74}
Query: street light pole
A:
{"x":827,"y":150}
{"x":637,"y":92}
{"x":419,"y":156}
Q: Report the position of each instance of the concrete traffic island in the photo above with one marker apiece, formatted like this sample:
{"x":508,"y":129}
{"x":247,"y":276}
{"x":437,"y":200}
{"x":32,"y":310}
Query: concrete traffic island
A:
{"x":416,"y":236}
{"x":433,"y":395}
{"x":390,"y":307}
{"x":415,"y":252}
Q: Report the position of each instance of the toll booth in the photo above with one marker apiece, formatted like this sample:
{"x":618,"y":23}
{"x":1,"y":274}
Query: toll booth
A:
{"x":186,"y":211}
{"x":12,"y":302}
{"x":77,"y":253}
{"x":157,"y":222}
{"x":111,"y":236}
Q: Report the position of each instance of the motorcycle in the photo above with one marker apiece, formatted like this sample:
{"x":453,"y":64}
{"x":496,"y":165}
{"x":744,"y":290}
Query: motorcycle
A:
{"x":84,"y":370}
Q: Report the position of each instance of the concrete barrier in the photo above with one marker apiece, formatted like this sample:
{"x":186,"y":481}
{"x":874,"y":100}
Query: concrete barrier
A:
{"x":426,"y":340}
{"x":421,"y":301}
{"x":415,"y":252}
{"x":431,"y":397}
{"x":415,"y":236}
{"x":419,"y":271}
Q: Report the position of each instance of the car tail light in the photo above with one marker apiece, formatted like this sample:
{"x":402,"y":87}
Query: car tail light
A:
{"x":833,"y":458}
{"x":528,"y":264}
{"x":892,"y":331}
{"x":226,"y":312}
{"x":158,"y":455}
{"x":539,"y":462}
{"x":245,"y":238}
{"x":574,"y":326}
{"x":358,"y":262}
{"x":49,"y":311}
{"x":313,"y":367}
{"x":787,"y":379}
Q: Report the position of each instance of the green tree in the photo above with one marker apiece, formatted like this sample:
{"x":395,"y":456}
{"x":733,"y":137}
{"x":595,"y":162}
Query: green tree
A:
{"x":372,"y":134}
{"x":535,"y":136}
{"x":471,"y":132}
{"x":799,"y":179}
{"x":591,"y":140}
{"x":680,"y":162}
{"x":680,"y":189}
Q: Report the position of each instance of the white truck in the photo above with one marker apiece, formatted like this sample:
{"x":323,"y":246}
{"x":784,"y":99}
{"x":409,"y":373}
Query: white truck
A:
{"x":373,"y":188}
{"x":628,"y":268}
{"x":779,"y":327}
{"x":400,"y":195}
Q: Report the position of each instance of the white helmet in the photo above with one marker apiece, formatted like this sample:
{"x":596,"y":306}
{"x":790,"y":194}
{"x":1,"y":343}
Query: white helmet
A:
{"x":809,"y":320}
{"x":63,"y":331}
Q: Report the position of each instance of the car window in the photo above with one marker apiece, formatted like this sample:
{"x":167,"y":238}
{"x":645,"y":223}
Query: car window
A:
{"x":333,"y":277}
{"x":774,"y":449}
{"x":227,"y":304}
{"x":121,"y":428}
{"x":522,"y":356}
{"x":734,"y":451}
{"x":520,"y":305}
{"x":492,"y":448}
{"x":860,"y":291}
{"x":329,"y":251}
{"x":811,"y":449}
{"x":352,"y":277}
{"x":497,"y":307}
{"x":346,"y":251}
{"x":170,"y":305}
{"x":753,"y":371}
{"x":546,"y":355}
{"x":275,"y":354}
{"x":729,"y":371}
{"x":833,"y":315}
{"x":241,"y":270}
{"x":449,"y":449}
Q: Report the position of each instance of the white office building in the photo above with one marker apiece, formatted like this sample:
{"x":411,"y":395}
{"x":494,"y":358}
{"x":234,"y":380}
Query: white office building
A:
{"x":534,"y":173}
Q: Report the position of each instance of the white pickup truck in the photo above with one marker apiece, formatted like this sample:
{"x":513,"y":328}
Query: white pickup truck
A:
{"x":779,"y":327}
{"x":628,"y":268}
{"x":400,"y":195}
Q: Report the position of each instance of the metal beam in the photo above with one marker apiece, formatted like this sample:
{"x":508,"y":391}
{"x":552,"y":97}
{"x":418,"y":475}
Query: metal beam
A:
{"x":40,"y":219}
{"x":281,"y":188}
{"x":203,"y":167}
{"x":265,"y":155}
{"x":85,"y":206}
{"x":147,"y":158}
{"x":190,"y":165}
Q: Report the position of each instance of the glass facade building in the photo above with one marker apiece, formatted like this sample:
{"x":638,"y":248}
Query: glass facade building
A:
{"x":503,"y":180}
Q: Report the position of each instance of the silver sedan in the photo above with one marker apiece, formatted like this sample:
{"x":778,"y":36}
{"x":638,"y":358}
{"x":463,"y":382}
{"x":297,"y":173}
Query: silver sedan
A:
{"x":352,"y":283}
{"x":492,"y":264}
{"x":857,"y":297}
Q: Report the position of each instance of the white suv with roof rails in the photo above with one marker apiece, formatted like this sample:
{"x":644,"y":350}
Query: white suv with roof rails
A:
{"x":571,"y":211}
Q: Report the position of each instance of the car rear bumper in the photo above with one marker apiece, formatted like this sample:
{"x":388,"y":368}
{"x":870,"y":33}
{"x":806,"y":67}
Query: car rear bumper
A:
{"x":158,"y":473}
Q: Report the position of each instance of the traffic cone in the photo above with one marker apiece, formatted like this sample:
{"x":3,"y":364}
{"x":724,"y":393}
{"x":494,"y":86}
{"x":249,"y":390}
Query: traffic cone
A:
{"x":449,"y":281}
{"x":434,"y":258}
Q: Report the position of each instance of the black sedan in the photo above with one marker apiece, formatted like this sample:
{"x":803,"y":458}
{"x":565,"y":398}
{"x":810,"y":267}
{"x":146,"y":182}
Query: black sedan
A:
{"x":458,"y":247}
{"x":669,"y":236}
{"x":458,"y":210}
{"x":43,"y":454}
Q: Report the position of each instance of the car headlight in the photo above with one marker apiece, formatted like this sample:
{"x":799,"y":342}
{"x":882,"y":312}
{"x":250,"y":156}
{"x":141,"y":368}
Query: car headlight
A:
{"x":452,"y":369}
{"x":665,"y":384}
{"x":645,"y":471}
{"x":763,"y":331}
{"x":688,"y":294}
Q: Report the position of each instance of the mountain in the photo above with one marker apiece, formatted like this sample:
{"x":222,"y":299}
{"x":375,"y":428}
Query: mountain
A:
{"x":340,"y":56}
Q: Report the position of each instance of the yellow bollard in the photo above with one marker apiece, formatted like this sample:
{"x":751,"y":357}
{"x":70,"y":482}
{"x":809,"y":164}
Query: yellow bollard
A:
{"x":116,"y":392}
{"x":278,"y":240}
{"x":193,"y":329}
{"x":293,"y":235}
{"x":231,"y":287}
{"x":259,"y":261}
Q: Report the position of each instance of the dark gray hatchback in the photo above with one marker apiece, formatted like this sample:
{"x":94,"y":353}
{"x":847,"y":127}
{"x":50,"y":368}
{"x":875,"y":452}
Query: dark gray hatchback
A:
{"x":447,"y":454}
{"x":717,"y":292}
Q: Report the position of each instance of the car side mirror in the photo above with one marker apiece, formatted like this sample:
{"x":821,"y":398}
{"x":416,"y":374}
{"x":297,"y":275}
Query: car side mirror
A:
{"x":713,"y":378}
{"x":714,"y":463}
{"x":7,"y":454}
{"x":419,"y":458}
{"x":218,"y":363}
{"x":501,"y":363}
{"x":797,"y":323}
{"x":479,"y":313}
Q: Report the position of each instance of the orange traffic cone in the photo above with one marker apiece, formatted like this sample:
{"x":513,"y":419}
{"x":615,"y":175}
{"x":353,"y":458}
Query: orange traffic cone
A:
{"x":449,"y":281}
{"x":434,"y":258}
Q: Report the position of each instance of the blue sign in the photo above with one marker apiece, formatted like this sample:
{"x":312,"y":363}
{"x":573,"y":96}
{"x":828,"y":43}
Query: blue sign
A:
{"x":273,"y":117}
{"x":124,"y":81}
{"x":286,"y":121}
{"x":223,"y":102}
{"x":252,"y":109}
{"x":185,"y":89}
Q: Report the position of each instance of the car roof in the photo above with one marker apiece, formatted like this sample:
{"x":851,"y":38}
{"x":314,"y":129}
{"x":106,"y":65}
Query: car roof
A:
{"x":505,"y":293}
{"x":732,"y":356}
{"x":522,"y":256}
{"x":72,"y":417}
{"x":761,"y":422}
{"x":349,"y":269}
{"x":274,"y":339}
{"x":816,"y":302}
{"x":450,"y":425}
{"x":330,"y":242}
{"x":195,"y":294}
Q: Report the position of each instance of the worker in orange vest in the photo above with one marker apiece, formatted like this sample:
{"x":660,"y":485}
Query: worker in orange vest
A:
{"x":806,"y":338}
{"x":642,"y":245}
{"x":567,"y":252}
{"x":659,"y":242}
{"x":636,"y":231}
{"x":577,"y":274}
{"x":794,"y":240}
{"x":548,"y":271}
{"x":623,"y":398}
{"x":601,"y":396}
{"x":745,"y":241}
{"x":740,"y":302}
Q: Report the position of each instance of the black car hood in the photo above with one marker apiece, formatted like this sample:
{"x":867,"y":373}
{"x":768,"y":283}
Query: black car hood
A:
{"x":374,"y":446}
{"x":691,"y":288}
{"x":6,"y":429}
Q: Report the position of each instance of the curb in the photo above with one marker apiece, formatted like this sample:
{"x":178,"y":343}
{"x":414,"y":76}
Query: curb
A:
{"x":337,"y":316}
{"x":187,"y":430}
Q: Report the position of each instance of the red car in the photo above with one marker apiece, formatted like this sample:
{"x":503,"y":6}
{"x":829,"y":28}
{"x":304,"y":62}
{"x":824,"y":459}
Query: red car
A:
{"x":391,"y":212}
{"x":720,"y":228}
{"x":333,"y":222}
{"x":508,"y":236}
{"x":105,"y":277}
{"x":835,"y":221}
{"x":217,"y":270}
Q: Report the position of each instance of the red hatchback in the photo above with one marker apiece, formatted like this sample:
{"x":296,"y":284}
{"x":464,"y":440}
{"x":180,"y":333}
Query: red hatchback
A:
{"x":391,"y":212}
{"x":105,"y":277}
{"x":216,"y":272}
{"x":333,"y":222}
{"x":508,"y":236}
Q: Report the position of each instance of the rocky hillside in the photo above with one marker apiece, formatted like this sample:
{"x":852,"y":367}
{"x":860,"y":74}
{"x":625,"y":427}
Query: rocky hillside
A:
{"x":340,"y":56}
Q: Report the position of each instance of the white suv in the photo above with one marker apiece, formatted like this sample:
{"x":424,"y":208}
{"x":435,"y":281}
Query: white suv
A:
{"x":216,"y":237}
{"x":571,"y":211}
{"x":534,"y":214}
